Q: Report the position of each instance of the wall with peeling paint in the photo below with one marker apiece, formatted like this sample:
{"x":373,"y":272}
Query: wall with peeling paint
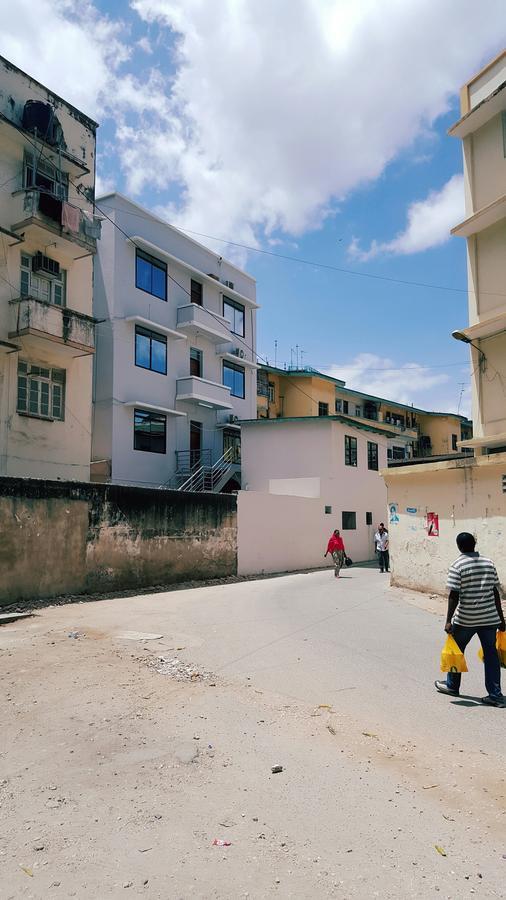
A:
{"x":68,"y":537}
{"x":467,"y":494}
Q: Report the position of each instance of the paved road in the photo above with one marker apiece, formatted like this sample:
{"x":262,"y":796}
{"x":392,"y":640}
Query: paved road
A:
{"x":331,"y":679}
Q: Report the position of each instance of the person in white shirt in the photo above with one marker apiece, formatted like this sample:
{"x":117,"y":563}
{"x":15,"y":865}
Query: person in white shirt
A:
{"x":381,"y":541}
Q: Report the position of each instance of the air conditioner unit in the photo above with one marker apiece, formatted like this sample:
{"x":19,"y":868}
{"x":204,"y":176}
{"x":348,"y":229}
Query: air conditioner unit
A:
{"x":229,"y":284}
{"x":232,"y":420}
{"x":45,"y":265}
{"x":238,"y":351}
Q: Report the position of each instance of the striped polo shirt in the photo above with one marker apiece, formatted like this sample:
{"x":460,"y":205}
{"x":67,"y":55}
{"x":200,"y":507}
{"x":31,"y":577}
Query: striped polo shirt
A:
{"x":474,"y":577}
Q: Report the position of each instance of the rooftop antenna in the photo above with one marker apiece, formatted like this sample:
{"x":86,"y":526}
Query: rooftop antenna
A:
{"x":462,"y":386}
{"x":275,"y":354}
{"x":297,"y":354}
{"x":291,"y":357}
{"x":302,"y":359}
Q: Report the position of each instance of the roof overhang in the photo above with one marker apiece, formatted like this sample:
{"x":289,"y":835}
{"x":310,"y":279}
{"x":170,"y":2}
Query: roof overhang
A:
{"x":491,"y":106}
{"x":486,"y":328}
{"x":486,"y":217}
{"x":139,"y":404}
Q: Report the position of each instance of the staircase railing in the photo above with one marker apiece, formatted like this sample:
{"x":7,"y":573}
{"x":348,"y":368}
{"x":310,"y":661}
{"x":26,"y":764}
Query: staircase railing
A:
{"x":204,"y":477}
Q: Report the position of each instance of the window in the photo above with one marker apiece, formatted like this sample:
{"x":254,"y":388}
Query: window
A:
{"x":150,"y":350}
{"x":195,"y":362}
{"x":150,"y":275}
{"x":232,"y":445}
{"x":358,"y":410}
{"x":41,"y":391}
{"x":350,"y":450}
{"x":45,"y":176}
{"x":272,"y":392}
{"x":328,"y":510}
{"x":454,"y":442}
{"x":234,"y":312}
{"x":368,"y":518}
{"x":323,"y":409}
{"x":196,"y":292}
{"x":233,"y":377}
{"x":398,"y":453}
{"x":345,"y":407}
{"x":372,"y":455}
{"x":150,"y":431}
{"x":339,"y":406}
{"x":49,"y":290}
{"x":349,"y":521}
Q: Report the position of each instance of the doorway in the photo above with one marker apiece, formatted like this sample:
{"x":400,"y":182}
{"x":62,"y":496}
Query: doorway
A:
{"x":195,"y":442}
{"x":232,"y":441}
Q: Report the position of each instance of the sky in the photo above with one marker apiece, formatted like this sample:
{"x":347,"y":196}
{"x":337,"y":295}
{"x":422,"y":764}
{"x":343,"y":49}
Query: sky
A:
{"x":309,"y":129}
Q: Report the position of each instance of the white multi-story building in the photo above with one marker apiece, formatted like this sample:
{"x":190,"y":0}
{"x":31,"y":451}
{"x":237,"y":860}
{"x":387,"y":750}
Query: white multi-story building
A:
{"x":47,"y":241}
{"x":176,"y":363}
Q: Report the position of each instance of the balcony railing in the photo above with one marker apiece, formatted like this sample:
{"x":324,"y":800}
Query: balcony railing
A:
{"x":69,"y":222}
{"x":30,"y":316}
{"x":186,"y":460}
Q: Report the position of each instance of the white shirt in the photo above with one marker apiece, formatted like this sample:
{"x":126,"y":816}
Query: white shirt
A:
{"x":381,"y":540}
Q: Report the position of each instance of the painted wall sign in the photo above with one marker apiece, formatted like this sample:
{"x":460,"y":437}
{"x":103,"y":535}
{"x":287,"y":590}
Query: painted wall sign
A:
{"x":393,"y":513}
{"x":433,"y":524}
{"x":412,"y":510}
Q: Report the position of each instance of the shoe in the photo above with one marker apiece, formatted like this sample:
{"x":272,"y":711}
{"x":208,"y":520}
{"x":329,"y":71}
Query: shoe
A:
{"x":494,"y":701}
{"x":382,"y":570}
{"x":443,"y":688}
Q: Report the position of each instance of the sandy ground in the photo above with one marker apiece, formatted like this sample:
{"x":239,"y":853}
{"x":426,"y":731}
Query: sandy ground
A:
{"x":116,"y":778}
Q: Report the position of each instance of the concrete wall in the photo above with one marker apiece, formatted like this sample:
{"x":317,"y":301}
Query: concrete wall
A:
{"x":467,"y":495}
{"x":60,"y":537}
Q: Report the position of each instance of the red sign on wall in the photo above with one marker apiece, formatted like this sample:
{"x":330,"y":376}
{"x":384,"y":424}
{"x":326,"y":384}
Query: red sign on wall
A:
{"x":432,"y":524}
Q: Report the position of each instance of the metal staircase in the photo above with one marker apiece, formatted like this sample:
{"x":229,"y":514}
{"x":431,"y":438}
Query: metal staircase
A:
{"x":211,"y":478}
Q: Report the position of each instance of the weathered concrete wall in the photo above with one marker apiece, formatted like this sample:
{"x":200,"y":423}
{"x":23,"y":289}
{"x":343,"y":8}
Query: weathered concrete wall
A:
{"x":68,"y":537}
{"x":467,"y":496}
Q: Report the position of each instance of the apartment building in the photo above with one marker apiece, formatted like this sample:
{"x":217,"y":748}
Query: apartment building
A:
{"x":176,"y":364}
{"x":468,"y":494}
{"x":48,"y":238}
{"x":306,"y":392}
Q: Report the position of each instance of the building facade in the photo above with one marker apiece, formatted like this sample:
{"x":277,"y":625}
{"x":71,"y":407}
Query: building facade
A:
{"x":48,"y":238}
{"x":415,"y":432}
{"x":302,"y":478}
{"x":176,"y":364}
{"x":435,"y":501}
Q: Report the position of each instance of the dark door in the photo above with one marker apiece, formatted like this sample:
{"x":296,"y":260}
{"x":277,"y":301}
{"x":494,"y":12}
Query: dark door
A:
{"x":195,"y":442}
{"x":232,"y":441}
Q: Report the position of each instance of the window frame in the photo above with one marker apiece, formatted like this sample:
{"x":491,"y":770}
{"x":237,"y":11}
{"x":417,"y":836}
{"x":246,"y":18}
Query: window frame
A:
{"x":339,"y":406}
{"x":200,"y":356}
{"x":350,"y":445}
{"x":346,"y":406}
{"x":358,"y":411}
{"x":151,"y":416}
{"x":240,"y":370}
{"x":271,"y":392}
{"x":44,"y":169}
{"x":238,"y":307}
{"x":372,"y":456}
{"x":59,"y":281}
{"x":152,"y":336}
{"x":194,"y":284}
{"x":321,"y":405}
{"x":348,"y":527}
{"x":455,"y":438}
{"x":155,"y":263}
{"x":56,"y":384}
{"x":368,"y":518}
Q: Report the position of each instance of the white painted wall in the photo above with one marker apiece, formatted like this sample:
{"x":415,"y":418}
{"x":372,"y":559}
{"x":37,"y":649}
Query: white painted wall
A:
{"x":467,"y":495}
{"x":30,"y":446}
{"x":299,"y":455}
{"x":119,"y":380}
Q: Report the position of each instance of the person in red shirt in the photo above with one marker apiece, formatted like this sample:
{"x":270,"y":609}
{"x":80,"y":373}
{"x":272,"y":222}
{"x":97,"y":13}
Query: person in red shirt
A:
{"x":336,"y":548}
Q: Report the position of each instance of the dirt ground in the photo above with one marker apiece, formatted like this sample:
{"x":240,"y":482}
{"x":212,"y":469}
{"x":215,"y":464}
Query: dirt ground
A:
{"x":117,"y":778}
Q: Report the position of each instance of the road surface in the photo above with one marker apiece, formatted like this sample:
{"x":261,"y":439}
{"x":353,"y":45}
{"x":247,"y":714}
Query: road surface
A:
{"x":124,"y":776}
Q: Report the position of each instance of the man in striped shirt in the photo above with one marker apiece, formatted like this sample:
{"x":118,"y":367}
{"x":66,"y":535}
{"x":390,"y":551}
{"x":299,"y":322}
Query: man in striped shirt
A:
{"x":474,"y":607}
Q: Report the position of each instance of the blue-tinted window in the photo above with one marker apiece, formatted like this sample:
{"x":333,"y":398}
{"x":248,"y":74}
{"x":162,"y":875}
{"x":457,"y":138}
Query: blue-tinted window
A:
{"x":233,"y":378}
{"x":149,"y":431}
{"x":150,"y":350}
{"x":150,"y":275}
{"x":234,"y":312}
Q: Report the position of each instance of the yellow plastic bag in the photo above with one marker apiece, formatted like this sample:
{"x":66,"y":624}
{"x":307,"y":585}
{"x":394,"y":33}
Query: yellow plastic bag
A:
{"x":501,"y":649}
{"x":452,"y":658}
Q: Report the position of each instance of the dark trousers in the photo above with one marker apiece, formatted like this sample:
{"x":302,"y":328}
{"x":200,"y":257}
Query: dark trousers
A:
{"x":384,"y":560}
{"x":488,"y":637}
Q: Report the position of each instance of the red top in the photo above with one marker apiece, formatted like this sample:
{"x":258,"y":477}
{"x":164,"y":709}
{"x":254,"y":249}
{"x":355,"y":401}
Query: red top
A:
{"x":335,"y":543}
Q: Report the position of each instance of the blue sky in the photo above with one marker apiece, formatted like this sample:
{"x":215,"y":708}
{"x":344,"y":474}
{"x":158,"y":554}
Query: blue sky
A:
{"x":309,"y":128}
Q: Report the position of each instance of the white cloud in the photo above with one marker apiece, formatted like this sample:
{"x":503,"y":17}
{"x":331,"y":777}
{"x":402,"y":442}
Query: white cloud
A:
{"x":383,"y":377}
{"x":144,"y":44}
{"x":428,"y":225}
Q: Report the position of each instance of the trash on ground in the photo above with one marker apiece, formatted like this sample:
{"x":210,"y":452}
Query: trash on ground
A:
{"x":276,"y":769}
{"x":218,"y":842}
{"x":75,"y":635}
{"x":370,"y":734}
{"x":324,"y":706}
{"x":227,"y":823}
{"x":27,"y":871}
{"x":428,"y":787}
{"x":331,"y":729}
{"x":440,"y":850}
{"x":179,"y":670}
{"x":144,"y":849}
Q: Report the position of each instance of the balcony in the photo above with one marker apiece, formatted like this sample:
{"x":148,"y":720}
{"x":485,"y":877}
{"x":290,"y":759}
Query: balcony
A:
{"x":73,"y":230}
{"x":38,"y":325}
{"x":194,"y":319}
{"x":205,"y":393}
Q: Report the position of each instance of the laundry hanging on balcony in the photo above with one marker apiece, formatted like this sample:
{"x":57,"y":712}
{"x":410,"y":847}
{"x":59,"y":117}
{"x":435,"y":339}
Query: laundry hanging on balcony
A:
{"x":91,"y":225}
{"x":70,"y":217}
